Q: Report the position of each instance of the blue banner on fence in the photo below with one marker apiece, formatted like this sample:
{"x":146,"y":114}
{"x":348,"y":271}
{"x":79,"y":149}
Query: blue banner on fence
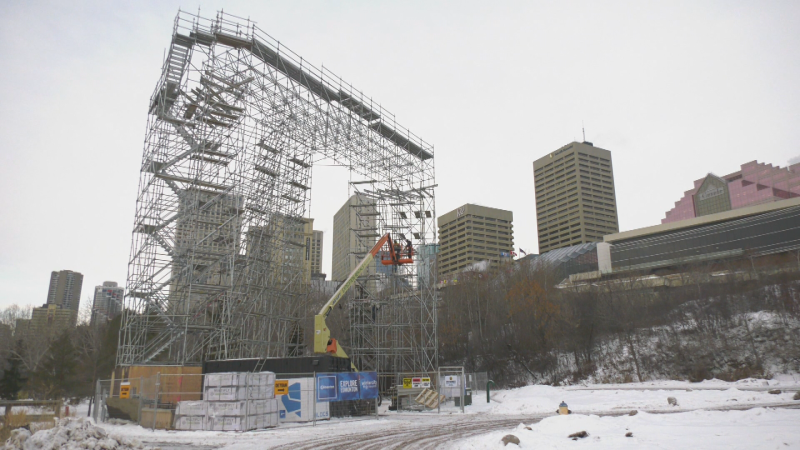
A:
{"x":368,"y":382}
{"x":327,"y":387}
{"x":334,"y":387}
{"x":348,"y":385}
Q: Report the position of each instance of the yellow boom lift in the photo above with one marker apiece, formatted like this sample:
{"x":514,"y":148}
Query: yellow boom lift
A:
{"x":323,"y":342}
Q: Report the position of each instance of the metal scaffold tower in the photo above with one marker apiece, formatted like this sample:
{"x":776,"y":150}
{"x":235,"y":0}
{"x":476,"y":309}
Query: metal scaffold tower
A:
{"x":216,"y":271}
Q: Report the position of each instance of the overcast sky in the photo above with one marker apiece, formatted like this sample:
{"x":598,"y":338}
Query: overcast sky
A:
{"x":673,"y":89}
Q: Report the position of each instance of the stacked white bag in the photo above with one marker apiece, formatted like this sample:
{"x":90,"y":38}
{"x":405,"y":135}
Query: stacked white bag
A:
{"x":233,"y":401}
{"x":190,"y":415}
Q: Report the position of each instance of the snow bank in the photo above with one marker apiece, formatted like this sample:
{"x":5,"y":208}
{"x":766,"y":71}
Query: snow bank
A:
{"x":650,"y":396}
{"x":69,"y":434}
{"x":723,"y":430}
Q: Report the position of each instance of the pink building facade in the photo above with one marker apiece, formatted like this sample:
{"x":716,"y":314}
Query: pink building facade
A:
{"x":755,"y":183}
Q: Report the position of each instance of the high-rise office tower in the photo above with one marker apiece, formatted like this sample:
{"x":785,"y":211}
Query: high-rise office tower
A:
{"x":308,"y":246}
{"x":473,"y":233}
{"x":65,"y":290}
{"x":575,"y":198}
{"x":208,"y":228}
{"x":355,"y":232}
{"x":107,"y":302}
{"x":316,"y":252}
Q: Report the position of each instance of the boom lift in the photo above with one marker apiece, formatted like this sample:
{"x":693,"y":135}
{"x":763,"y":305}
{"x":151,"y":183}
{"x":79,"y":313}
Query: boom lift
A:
{"x":323,"y":342}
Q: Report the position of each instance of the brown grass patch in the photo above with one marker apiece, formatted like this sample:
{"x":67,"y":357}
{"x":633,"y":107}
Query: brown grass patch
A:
{"x":15,"y":420}
{"x":18,"y":419}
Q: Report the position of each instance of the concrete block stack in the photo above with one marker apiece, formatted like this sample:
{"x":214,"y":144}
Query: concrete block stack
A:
{"x":232,"y":401}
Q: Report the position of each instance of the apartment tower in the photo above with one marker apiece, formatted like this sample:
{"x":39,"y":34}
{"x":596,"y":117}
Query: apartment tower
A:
{"x":107,"y":302}
{"x":474,"y":233}
{"x":65,"y":290}
{"x":575,"y":197}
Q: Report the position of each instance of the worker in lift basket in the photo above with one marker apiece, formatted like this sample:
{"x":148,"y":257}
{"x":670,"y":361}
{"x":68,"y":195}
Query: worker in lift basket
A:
{"x":397,"y":248}
{"x":409,"y":248}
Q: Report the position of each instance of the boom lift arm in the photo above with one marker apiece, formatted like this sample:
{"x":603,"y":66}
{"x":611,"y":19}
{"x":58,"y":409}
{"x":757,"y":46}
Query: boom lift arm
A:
{"x":323,"y":342}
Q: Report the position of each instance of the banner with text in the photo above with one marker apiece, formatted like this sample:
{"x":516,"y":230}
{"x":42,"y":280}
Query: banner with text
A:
{"x":327,"y":387}
{"x":348,"y":385}
{"x":368,"y":383}
{"x":334,"y":387}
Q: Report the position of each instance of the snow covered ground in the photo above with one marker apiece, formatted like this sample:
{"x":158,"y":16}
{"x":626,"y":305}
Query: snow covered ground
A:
{"x":649,"y":396}
{"x":757,"y":428}
{"x":712,"y":414}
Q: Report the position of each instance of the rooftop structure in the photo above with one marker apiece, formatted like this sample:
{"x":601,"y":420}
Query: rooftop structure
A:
{"x":753,"y":184}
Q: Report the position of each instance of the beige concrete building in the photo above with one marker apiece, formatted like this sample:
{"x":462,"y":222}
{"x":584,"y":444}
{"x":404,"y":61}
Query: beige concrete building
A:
{"x":46,"y":322}
{"x":261,"y":245}
{"x":208,"y":227}
{"x":474,"y":233}
{"x":575,"y":197}
{"x":51,"y":320}
{"x":355,"y":232}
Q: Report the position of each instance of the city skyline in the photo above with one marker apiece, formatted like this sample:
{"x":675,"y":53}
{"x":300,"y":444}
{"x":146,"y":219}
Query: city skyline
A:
{"x":713,"y":85}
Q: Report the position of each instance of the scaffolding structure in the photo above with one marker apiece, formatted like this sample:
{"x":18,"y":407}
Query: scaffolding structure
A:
{"x":235,"y":125}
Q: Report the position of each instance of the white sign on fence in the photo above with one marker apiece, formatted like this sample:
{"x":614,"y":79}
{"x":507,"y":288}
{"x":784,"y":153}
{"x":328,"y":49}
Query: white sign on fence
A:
{"x":451,"y":381}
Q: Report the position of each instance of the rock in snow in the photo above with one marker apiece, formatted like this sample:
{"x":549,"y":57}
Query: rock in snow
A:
{"x":69,"y":434}
{"x":672,"y":401}
{"x":578,"y":435}
{"x":510,"y":439}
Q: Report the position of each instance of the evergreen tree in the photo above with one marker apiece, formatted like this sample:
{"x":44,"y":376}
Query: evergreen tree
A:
{"x":56,"y":375}
{"x":12,"y":381}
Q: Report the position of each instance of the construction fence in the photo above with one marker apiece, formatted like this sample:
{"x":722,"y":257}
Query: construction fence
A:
{"x":450,"y":388}
{"x":199,"y":401}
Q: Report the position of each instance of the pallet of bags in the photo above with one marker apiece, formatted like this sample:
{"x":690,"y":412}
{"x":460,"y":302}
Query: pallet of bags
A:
{"x":240,"y":401}
{"x":240,"y":379}
{"x":242,"y":407}
{"x":234,"y":386}
{"x":236,"y":393}
{"x":267,"y":406}
{"x":235,"y":408}
{"x":227,"y":423}
{"x":190,"y":415}
{"x":261,"y":421}
{"x":261,"y":379}
{"x":190,"y":423}
{"x":226,"y":379}
{"x":243,"y":415}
